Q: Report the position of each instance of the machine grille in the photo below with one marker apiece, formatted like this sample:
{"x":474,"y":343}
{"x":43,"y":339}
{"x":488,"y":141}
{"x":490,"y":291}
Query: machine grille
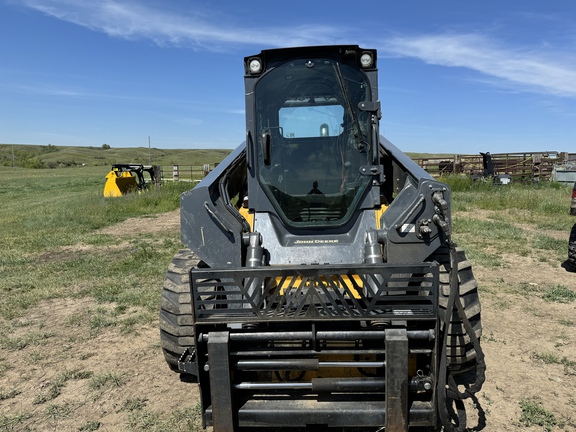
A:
{"x":316,"y":292}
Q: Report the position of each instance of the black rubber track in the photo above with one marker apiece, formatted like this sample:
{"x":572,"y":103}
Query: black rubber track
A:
{"x":176,"y":320}
{"x":572,"y":248}
{"x":461,"y":356}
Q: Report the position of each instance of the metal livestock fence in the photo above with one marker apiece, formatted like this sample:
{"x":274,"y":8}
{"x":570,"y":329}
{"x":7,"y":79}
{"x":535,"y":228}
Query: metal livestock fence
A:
{"x":521,"y":166}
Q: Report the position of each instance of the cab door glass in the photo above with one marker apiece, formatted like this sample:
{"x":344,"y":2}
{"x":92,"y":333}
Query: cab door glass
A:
{"x":313,"y":140}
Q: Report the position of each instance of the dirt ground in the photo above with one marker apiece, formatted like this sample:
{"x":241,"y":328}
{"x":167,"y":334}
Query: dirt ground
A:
{"x":529,"y":343}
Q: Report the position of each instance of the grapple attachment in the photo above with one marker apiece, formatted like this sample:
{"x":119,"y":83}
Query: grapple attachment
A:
{"x":126,"y":178}
{"x":347,"y":346}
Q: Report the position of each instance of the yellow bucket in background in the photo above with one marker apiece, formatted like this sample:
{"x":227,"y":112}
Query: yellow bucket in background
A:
{"x":119,"y":183}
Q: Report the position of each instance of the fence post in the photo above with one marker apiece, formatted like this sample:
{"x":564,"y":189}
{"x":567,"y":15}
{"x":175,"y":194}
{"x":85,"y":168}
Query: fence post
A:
{"x":457,"y":164}
{"x":536,"y":162}
{"x":175,"y":173}
{"x":157,"y":176}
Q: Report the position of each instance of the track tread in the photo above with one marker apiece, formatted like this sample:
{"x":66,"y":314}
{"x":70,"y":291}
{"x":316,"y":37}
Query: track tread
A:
{"x":176,"y":319}
{"x":460,"y":352}
{"x":572,"y":248}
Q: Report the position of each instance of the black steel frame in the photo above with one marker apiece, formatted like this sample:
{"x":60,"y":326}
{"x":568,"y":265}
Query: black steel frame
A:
{"x":255,"y":351}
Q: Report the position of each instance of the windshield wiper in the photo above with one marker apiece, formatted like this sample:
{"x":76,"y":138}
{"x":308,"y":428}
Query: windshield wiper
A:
{"x":362,"y":144}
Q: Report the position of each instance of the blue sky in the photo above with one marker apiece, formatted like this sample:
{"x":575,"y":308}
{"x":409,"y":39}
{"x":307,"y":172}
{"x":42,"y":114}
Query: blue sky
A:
{"x":456,"y":76}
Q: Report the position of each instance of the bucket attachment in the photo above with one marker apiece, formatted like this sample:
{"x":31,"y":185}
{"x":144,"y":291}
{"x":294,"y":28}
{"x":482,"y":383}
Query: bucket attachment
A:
{"x":125,"y":178}
{"x":119,"y":183}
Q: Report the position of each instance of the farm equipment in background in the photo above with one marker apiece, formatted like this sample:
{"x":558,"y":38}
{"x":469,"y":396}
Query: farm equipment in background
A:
{"x":320,"y":286}
{"x":490,"y":173}
{"x":126,"y":178}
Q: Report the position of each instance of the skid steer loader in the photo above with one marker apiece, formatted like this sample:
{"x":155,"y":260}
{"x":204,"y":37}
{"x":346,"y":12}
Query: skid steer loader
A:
{"x":320,"y":286}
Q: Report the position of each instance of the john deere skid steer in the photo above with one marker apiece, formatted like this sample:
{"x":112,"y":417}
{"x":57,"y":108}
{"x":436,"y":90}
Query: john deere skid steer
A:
{"x":320,"y":286}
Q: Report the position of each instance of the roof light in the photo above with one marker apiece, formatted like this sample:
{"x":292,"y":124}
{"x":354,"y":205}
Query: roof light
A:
{"x":255,"y":66}
{"x":366,"y":60}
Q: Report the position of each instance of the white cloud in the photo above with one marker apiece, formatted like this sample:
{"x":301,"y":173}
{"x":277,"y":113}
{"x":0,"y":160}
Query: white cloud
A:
{"x":524,"y":68}
{"x":515,"y":68}
{"x":132,"y":20}
{"x":42,"y":89}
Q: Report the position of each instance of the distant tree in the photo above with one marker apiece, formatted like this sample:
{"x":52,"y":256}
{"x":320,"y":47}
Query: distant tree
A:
{"x":33,"y":162}
{"x":105,"y":147}
{"x":48,"y":149}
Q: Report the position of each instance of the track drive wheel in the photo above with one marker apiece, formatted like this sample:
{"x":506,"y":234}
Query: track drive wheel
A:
{"x":176,"y":319}
{"x":461,"y":356}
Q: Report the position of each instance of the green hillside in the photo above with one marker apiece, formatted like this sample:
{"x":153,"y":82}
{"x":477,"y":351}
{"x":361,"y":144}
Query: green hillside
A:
{"x":50,"y":156}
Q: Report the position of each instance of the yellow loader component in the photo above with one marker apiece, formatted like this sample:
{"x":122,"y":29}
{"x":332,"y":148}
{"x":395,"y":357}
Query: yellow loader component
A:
{"x":119,"y":183}
{"x":125,"y":178}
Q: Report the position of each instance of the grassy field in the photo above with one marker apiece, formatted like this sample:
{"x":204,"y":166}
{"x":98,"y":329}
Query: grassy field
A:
{"x":47,"y":211}
{"x":69,"y":280}
{"x":514,"y":218}
{"x":55,"y":246}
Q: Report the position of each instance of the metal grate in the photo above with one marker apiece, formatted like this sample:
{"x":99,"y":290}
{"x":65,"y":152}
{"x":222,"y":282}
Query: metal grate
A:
{"x":407,"y":292}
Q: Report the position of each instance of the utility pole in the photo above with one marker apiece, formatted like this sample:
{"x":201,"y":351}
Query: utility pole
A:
{"x":149,"y":154}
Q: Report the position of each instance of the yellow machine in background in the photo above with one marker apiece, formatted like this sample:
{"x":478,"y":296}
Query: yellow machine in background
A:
{"x":126,"y":178}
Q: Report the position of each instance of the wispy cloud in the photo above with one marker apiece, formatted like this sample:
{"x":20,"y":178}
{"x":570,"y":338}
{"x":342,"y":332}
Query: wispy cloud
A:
{"x":42,"y":89}
{"x":133,"y":20}
{"x":61,"y":91}
{"x":523,"y":68}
